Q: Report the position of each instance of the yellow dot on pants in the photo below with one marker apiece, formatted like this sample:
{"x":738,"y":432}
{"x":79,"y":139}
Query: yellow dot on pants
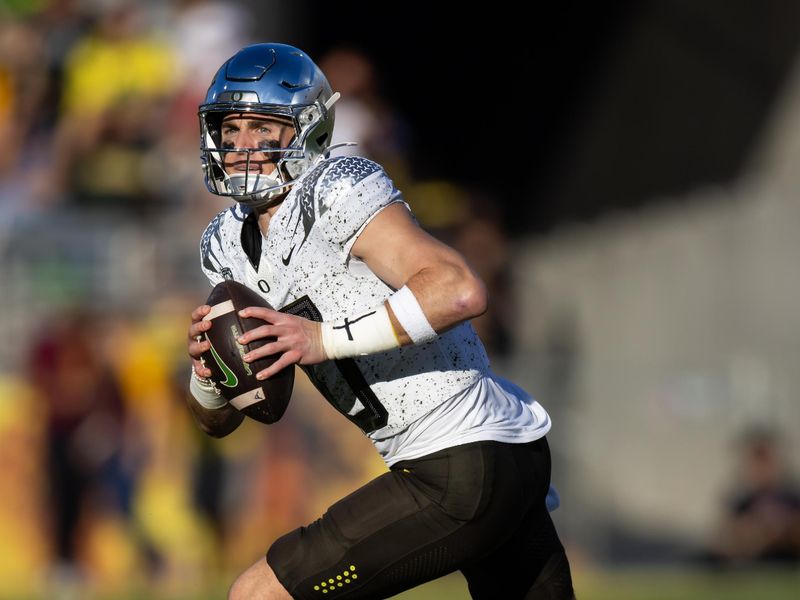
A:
{"x":355,"y":576}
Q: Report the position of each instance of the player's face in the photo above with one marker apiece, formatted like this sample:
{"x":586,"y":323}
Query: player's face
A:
{"x":248,"y":130}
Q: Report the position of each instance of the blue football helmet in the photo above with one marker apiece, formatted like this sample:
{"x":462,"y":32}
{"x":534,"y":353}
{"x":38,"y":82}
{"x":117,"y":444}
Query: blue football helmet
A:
{"x":270,"y":79}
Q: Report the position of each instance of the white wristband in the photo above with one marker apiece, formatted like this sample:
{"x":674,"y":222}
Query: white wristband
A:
{"x":409,"y":313}
{"x":206,"y":394}
{"x":368,"y":333}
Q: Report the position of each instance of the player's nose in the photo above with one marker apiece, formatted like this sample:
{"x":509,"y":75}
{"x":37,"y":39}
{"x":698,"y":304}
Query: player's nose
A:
{"x":244,"y":139}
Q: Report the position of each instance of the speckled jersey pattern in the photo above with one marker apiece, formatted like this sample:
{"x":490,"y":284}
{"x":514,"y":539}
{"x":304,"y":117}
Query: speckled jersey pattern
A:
{"x":306,"y":255}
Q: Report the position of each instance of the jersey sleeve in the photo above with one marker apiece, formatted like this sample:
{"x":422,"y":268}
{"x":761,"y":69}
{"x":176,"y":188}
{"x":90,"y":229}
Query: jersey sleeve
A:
{"x":362,"y":191}
{"x":211,"y":253}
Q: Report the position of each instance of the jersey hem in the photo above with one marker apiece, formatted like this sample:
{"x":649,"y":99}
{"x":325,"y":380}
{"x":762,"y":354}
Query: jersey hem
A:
{"x":478,"y":436}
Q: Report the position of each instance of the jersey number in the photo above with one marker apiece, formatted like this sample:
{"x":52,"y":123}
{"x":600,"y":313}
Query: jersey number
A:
{"x":374,"y":414}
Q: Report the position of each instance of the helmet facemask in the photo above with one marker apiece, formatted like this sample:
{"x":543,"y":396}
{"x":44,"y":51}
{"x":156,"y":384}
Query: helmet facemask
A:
{"x":251,"y":187}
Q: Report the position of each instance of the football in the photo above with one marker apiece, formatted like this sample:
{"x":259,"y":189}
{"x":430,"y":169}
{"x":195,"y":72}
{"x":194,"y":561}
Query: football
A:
{"x":263,"y":401}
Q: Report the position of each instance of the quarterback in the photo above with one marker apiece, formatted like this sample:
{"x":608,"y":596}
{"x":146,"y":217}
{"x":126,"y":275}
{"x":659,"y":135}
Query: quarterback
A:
{"x":376,"y":312}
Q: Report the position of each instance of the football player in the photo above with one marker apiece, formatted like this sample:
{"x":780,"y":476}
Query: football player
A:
{"x":376,"y":312}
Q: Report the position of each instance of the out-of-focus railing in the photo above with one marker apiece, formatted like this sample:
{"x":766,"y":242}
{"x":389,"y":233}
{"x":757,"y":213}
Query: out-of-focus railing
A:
{"x":100,"y":262}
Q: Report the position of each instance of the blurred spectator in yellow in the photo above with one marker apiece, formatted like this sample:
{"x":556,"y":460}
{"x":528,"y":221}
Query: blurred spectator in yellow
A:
{"x":761,"y":523}
{"x":116,"y":81}
{"x":119,"y":61}
{"x":143,"y":352}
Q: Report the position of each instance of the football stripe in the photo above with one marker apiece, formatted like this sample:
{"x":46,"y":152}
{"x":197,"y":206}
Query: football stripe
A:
{"x":244,"y":400}
{"x":223,"y":308}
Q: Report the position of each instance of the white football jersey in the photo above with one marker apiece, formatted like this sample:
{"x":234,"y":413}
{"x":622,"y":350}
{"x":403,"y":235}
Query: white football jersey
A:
{"x":305,"y":268}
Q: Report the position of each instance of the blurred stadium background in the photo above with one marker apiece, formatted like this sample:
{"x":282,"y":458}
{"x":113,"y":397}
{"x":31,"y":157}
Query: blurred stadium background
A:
{"x":624,"y":176}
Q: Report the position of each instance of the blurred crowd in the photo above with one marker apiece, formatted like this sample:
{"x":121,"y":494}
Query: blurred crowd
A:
{"x":98,"y":101}
{"x":106,"y":481}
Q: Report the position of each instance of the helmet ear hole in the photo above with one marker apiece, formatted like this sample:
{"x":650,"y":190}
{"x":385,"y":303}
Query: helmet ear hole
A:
{"x":216,"y":171}
{"x":321,"y":139}
{"x":308,"y":116}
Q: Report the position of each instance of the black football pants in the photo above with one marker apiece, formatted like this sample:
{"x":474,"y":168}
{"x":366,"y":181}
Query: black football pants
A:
{"x":479,"y":508}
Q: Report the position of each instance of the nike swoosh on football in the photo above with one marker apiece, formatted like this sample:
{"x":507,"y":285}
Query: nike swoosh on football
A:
{"x":287,"y":258}
{"x":230,"y":377}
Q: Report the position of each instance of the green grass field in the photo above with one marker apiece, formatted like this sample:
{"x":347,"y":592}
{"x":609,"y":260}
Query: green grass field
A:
{"x":619,"y":584}
{"x":649,"y":584}
{"x":671,"y":584}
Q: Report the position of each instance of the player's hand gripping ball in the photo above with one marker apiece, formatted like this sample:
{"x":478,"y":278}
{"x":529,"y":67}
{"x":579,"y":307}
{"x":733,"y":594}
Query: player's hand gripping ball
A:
{"x":265,"y":400}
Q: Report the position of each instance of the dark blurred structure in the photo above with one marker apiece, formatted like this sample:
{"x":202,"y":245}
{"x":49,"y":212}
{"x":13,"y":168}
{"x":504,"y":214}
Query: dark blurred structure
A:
{"x":363,"y":115}
{"x":761,"y":522}
{"x":581,"y":108}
